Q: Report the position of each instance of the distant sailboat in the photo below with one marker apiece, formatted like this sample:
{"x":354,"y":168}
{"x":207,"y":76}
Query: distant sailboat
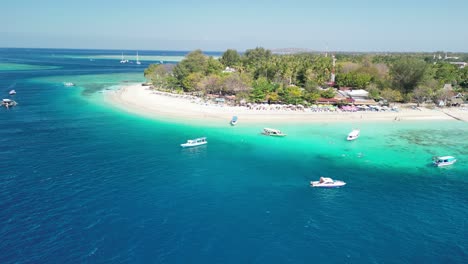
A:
{"x":122,"y":60}
{"x":137,"y":60}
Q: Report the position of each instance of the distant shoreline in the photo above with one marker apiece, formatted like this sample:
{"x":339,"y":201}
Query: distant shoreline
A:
{"x":141,"y":100}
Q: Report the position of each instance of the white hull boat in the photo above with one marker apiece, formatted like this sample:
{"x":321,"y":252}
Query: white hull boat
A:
{"x":234,"y":121}
{"x":444,"y":161}
{"x":8,"y":102}
{"x":12,"y":92}
{"x":122,"y":60}
{"x":327,"y":183}
{"x":138,"y":59}
{"x":273,"y":132}
{"x":353,"y":135}
{"x":194,"y":142}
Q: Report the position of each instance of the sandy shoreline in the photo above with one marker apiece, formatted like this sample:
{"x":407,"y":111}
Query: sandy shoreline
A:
{"x":141,"y":100}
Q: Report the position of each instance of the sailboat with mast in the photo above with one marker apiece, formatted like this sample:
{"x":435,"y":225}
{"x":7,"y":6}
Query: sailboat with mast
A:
{"x":122,"y":60}
{"x":138,"y":60}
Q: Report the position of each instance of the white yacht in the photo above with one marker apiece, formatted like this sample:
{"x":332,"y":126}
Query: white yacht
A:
{"x":194,"y":142}
{"x":327,"y":183}
{"x":353,"y":135}
{"x":68,"y":84}
{"x":444,"y":161}
{"x":272,"y":132}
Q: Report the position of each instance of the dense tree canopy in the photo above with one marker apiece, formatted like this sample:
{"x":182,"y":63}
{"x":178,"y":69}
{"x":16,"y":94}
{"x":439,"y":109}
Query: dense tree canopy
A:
{"x":407,"y":73}
{"x":353,"y":79}
{"x":261,"y":76}
{"x":230,"y":58}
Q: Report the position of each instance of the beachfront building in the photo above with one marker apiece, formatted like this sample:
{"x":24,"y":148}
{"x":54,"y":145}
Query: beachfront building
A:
{"x":450,"y":97}
{"x":347,"y":95}
{"x":459,"y":64}
{"x":229,"y":70}
{"x":455,"y":101}
{"x":450,"y":58}
{"x":358,"y":96}
{"x":337,"y":99}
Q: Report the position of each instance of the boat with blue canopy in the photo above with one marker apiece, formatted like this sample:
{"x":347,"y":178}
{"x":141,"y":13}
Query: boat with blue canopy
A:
{"x":234,"y":121}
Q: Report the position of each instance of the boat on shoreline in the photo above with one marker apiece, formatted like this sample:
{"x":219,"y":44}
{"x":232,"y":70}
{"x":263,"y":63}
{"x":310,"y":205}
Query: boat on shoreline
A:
{"x":234,"y":121}
{"x":353,"y":134}
{"x":444,"y":161}
{"x":273,"y":132}
{"x":325,"y":182}
{"x":194,"y":142}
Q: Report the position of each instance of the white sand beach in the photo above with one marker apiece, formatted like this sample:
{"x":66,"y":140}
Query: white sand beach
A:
{"x":141,"y":100}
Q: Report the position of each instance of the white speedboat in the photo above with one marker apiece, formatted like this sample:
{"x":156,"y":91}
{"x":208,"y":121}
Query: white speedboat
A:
{"x":353,"y":134}
{"x":234,"y":121}
{"x":272,"y":132}
{"x":327,"y":183}
{"x":68,"y":84}
{"x":12,"y":92}
{"x":444,"y":161}
{"x":194,"y":142}
{"x":8,"y":102}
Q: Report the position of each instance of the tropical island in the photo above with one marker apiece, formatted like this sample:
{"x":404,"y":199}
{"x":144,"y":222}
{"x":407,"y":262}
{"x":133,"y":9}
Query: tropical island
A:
{"x":305,"y":83}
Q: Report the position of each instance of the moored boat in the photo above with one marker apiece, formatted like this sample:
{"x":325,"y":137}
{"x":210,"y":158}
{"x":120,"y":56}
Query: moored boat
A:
{"x":122,"y":60}
{"x":353,"y":135}
{"x":12,"y":92}
{"x":325,"y":182}
{"x":194,"y":142}
{"x":234,"y":120}
{"x":444,"y":161}
{"x":68,"y":84}
{"x":273,"y":132}
{"x":8,"y":102}
{"x":138,"y":59}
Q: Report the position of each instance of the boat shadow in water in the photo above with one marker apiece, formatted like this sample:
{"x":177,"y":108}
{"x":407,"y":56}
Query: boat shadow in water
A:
{"x":195,"y":151}
{"x":431,"y":165}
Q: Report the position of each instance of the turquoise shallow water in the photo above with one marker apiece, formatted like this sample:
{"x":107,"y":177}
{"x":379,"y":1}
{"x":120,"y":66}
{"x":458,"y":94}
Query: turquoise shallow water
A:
{"x":83,"y":182}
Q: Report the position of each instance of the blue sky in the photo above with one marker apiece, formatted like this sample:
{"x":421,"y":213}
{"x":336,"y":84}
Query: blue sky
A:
{"x":354,"y":25}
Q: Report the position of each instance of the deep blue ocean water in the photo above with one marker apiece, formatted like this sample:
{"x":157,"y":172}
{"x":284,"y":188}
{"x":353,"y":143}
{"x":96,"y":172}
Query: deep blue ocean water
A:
{"x":84,"y":182}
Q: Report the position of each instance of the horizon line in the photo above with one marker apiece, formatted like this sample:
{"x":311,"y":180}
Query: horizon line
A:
{"x":300,"y":50}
